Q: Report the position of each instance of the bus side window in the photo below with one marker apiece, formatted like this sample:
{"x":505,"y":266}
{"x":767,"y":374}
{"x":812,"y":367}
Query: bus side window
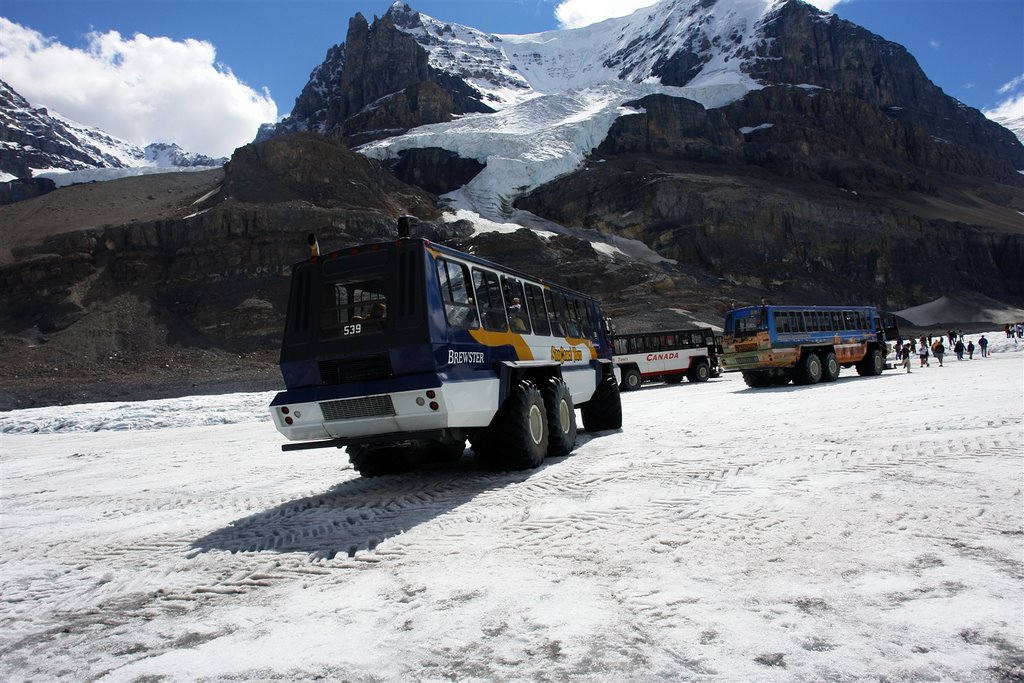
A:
{"x":565,"y":315}
{"x":558,"y":328}
{"x":621,"y":346}
{"x":782,"y":321}
{"x":488,"y":298}
{"x":459,"y":309}
{"x":583,"y":314}
{"x":539,"y":318}
{"x":573,"y":315}
{"x":516,"y":298}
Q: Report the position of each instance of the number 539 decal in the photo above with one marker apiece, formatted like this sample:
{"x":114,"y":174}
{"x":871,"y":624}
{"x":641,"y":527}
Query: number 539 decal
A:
{"x":349,"y":330}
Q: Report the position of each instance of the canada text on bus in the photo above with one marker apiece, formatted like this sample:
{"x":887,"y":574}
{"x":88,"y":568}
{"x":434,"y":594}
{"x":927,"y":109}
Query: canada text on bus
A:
{"x":667,"y":355}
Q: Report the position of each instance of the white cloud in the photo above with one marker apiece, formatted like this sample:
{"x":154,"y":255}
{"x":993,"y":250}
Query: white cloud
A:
{"x":1012,"y":85}
{"x":142,"y":89}
{"x":935,"y":44}
{"x":577,"y":13}
{"x":1010,"y":109}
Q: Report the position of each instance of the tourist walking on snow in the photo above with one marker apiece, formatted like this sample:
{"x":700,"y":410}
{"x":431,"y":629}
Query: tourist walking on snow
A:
{"x":983,"y":345}
{"x":958,"y":348}
{"x":904,"y":354}
{"x":922,"y":352}
{"x":970,"y":350}
{"x":938,"y":350}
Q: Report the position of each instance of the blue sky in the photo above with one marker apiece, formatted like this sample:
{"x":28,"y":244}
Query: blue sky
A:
{"x":250,"y":58}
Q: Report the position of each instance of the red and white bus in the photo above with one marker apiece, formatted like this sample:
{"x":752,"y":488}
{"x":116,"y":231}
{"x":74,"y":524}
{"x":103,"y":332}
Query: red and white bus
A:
{"x":667,"y":355}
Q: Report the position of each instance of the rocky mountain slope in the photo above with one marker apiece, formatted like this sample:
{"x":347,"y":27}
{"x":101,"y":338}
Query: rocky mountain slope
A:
{"x":782,"y":153}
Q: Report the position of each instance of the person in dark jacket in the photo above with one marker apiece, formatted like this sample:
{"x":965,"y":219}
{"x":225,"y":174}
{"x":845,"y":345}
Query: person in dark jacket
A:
{"x":970,"y":350}
{"x":958,"y":348}
{"x":939,"y":350}
{"x":905,"y":356}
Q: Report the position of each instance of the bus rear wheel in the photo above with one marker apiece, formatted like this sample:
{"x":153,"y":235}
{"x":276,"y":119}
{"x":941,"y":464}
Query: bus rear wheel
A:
{"x":829,"y":368}
{"x":517,"y":438}
{"x":873,"y":364}
{"x":756,"y":379}
{"x":808,"y":370}
{"x":632,"y":380}
{"x":376,"y":461}
{"x":700,"y":372}
{"x":604,"y":409}
{"x":561,"y":417}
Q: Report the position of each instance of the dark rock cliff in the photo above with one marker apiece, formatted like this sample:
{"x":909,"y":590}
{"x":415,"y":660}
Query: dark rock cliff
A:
{"x":177,"y":298}
{"x":804,"y":46}
{"x":826,"y":200}
{"x":376,"y":85}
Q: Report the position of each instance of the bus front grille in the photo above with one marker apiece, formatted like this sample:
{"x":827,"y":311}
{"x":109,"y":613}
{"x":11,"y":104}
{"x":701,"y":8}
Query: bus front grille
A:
{"x":349,"y":370}
{"x":354,"y":408}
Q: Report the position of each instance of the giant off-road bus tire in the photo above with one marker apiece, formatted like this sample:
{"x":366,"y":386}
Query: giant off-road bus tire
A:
{"x":872,"y":365}
{"x":756,"y":379}
{"x":700,"y":372}
{"x":604,"y":409}
{"x":517,"y":438}
{"x":561,"y":417}
{"x":808,"y":369}
{"x":829,"y":367}
{"x":376,"y":461}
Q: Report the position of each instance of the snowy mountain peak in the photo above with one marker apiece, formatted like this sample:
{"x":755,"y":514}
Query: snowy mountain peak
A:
{"x":168,"y":155}
{"x":40,"y":142}
{"x":676,"y":42}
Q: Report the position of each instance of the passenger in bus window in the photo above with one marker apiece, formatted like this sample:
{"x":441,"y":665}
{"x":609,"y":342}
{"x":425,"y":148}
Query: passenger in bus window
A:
{"x":377,"y":312}
{"x":517,"y":316}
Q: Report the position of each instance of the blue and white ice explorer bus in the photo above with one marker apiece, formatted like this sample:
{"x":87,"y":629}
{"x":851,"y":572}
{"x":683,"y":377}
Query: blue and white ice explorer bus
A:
{"x":773,"y":345}
{"x":400,"y":351}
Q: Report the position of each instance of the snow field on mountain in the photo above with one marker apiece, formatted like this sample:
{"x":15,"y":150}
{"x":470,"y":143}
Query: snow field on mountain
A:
{"x":529,"y":144}
{"x":869,"y":528}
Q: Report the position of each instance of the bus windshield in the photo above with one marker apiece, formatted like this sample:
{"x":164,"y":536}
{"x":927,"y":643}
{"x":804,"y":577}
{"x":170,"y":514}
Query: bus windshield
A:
{"x":741,"y":327}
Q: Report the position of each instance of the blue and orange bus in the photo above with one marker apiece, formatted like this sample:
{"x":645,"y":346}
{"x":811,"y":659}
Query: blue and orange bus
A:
{"x":400,"y":351}
{"x":773,"y":345}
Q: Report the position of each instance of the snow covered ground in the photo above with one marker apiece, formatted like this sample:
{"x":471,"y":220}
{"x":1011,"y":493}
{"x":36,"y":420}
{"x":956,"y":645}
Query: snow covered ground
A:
{"x":867,"y":529}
